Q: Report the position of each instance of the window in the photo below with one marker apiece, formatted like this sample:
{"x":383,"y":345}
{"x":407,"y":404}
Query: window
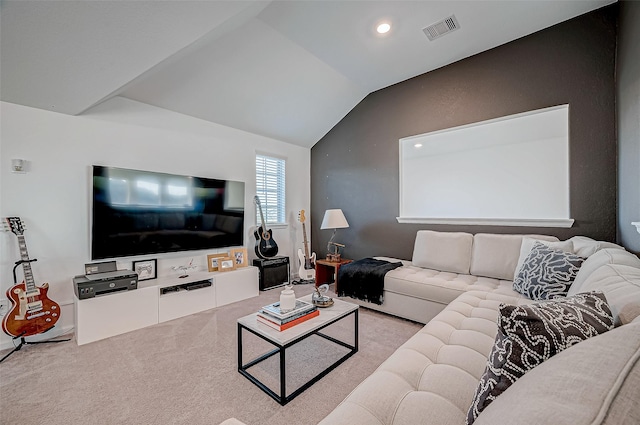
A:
{"x":509,"y":171}
{"x":270,"y":189}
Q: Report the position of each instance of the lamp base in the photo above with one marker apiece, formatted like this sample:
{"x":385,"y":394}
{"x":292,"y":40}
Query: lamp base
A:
{"x":334,"y":257}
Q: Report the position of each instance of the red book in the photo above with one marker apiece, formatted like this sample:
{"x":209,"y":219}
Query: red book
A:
{"x":290,"y":324}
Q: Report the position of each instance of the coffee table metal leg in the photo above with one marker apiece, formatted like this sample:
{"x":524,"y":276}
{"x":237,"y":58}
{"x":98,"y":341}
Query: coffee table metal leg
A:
{"x":283,"y":377}
{"x":356,"y":318}
{"x":239,"y":347}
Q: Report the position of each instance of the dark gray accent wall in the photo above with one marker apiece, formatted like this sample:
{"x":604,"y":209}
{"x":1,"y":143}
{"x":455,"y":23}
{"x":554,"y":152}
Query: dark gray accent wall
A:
{"x":355,"y":166}
{"x":628,"y":103}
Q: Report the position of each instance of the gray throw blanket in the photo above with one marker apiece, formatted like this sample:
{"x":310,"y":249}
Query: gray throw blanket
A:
{"x":364,"y":279}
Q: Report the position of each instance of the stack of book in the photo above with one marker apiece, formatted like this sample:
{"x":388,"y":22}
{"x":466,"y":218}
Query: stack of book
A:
{"x":272,"y":316}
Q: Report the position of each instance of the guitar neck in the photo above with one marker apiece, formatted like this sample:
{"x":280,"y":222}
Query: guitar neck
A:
{"x":256,"y":199}
{"x":264,"y":226}
{"x":26,"y":266}
{"x":306,"y":244}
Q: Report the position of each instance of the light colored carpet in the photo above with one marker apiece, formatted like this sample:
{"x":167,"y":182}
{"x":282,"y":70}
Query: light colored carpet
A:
{"x":185,"y":371}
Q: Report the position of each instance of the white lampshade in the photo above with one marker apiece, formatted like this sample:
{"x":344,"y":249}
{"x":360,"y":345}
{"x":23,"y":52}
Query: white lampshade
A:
{"x":334,"y":219}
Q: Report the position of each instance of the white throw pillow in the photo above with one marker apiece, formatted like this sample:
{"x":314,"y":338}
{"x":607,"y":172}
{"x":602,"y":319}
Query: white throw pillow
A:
{"x":527,"y":245}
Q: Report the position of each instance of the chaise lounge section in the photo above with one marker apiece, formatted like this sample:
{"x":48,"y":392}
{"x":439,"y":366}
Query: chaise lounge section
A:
{"x":448,"y":264}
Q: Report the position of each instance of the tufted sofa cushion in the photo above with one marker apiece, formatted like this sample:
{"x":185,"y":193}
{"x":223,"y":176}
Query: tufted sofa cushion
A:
{"x":432,"y":377}
{"x":441,"y":287}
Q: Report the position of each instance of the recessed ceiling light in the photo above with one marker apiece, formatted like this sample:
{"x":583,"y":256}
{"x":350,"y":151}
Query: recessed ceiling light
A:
{"x":383,"y":28}
{"x":417,"y":145}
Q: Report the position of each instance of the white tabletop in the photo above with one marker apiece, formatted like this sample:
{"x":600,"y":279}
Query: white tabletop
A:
{"x":327,"y":314}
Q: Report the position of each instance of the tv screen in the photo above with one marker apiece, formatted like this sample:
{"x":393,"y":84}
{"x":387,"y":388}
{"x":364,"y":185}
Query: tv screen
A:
{"x":142,"y":212}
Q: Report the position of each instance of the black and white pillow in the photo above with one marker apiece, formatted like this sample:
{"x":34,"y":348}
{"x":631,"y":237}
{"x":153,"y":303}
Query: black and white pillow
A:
{"x":530,"y":334}
{"x":546,"y":273}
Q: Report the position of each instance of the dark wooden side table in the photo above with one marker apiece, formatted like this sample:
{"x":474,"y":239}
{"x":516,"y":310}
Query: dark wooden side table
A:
{"x":327,"y":271}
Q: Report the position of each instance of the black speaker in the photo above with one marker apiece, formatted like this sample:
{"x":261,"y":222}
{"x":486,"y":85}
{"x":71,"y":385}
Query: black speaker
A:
{"x":273,"y":271}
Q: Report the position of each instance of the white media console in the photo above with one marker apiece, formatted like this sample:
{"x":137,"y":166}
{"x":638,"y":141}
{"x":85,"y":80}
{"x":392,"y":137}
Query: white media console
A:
{"x":155,"y":301}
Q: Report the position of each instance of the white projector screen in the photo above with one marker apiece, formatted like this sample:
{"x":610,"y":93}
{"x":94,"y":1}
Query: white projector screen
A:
{"x":509,"y":171}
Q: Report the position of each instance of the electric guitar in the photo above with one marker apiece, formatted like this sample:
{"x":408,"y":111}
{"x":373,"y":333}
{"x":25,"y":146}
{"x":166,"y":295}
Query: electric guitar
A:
{"x":307,"y":268}
{"x":266,"y":246}
{"x":32,"y":312}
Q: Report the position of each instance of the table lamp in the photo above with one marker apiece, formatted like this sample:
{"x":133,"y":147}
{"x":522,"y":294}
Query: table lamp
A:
{"x":333,"y":219}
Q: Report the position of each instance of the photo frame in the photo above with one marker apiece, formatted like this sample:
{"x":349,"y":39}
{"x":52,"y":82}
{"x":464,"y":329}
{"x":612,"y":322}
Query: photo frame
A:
{"x":212,"y":260}
{"x":239,"y":256}
{"x":146,"y":269}
{"x":226,"y":264}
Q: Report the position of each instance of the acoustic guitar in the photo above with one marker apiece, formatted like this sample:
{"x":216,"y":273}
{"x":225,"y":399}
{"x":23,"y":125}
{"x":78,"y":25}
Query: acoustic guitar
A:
{"x":32,"y":311}
{"x":307,"y":268}
{"x":266,"y":246}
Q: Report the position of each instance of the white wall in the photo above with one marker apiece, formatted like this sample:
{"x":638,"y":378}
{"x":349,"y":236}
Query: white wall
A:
{"x":628,"y":115}
{"x":53,"y":197}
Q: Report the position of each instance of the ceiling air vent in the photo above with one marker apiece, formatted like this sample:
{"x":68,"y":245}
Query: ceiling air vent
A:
{"x":441,"y":28}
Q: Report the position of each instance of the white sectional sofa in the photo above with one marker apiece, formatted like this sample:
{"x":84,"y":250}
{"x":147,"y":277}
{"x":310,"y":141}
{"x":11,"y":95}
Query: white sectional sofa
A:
{"x":446,"y":265}
{"x":461,"y":285}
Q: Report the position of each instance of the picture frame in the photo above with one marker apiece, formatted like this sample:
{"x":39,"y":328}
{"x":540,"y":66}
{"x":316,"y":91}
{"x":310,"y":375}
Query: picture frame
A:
{"x":212,"y":261}
{"x":239,"y":256}
{"x":226,"y":264}
{"x":146,"y":269}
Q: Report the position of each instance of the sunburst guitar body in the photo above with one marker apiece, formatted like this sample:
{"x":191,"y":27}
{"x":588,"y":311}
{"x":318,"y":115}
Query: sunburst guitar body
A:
{"x":32,"y":312}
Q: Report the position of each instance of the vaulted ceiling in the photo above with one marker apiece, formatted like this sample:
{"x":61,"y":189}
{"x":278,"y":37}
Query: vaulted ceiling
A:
{"x":289,"y":70}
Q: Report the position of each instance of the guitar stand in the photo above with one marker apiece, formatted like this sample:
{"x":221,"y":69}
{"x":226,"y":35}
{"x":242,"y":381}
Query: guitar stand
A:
{"x":22,"y":340}
{"x":15,"y":279}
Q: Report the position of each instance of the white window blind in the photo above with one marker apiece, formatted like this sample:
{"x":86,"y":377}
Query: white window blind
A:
{"x":270,"y":189}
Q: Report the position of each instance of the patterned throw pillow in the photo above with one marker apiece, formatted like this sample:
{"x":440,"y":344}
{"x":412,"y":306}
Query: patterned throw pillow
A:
{"x":530,"y":334}
{"x":547,"y":273}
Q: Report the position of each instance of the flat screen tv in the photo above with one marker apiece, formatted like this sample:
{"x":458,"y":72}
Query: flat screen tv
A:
{"x":141,"y":212}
